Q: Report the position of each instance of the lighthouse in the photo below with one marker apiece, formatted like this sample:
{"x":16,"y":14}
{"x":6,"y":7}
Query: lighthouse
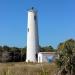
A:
{"x":32,"y":36}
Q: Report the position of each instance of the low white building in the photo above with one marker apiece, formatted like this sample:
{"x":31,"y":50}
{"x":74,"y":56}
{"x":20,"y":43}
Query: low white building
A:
{"x":46,"y":57}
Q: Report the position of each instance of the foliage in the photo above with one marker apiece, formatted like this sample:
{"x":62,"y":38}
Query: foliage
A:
{"x":12,"y":54}
{"x":66,"y":53}
{"x":47,"y":49}
{"x":15,"y":54}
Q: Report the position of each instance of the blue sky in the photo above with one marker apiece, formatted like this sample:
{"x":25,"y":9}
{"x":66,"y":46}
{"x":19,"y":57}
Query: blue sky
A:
{"x":56,"y":21}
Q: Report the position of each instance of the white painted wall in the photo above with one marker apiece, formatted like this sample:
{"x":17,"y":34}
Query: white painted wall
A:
{"x":32,"y":36}
{"x":43,"y":57}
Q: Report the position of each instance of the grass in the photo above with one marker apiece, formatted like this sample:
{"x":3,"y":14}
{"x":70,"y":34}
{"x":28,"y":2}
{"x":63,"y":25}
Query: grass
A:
{"x":22,"y":68}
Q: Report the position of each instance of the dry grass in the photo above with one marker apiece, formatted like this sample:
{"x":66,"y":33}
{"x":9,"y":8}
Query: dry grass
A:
{"x":22,"y":68}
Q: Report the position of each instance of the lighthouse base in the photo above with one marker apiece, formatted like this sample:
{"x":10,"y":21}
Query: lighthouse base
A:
{"x":28,"y":60}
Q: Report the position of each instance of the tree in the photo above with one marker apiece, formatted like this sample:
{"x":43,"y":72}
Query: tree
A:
{"x":23,"y":54}
{"x":0,"y":53}
{"x":6,"y":48}
{"x":47,"y":49}
{"x":5,"y":54}
{"x":16,"y":54}
{"x":66,"y":61}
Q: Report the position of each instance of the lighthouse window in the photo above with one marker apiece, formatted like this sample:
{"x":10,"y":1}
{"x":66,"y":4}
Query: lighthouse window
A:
{"x":34,"y":17}
{"x":28,"y":29}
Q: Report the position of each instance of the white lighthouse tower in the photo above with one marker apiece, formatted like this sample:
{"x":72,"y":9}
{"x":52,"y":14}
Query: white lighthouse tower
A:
{"x":32,"y":36}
